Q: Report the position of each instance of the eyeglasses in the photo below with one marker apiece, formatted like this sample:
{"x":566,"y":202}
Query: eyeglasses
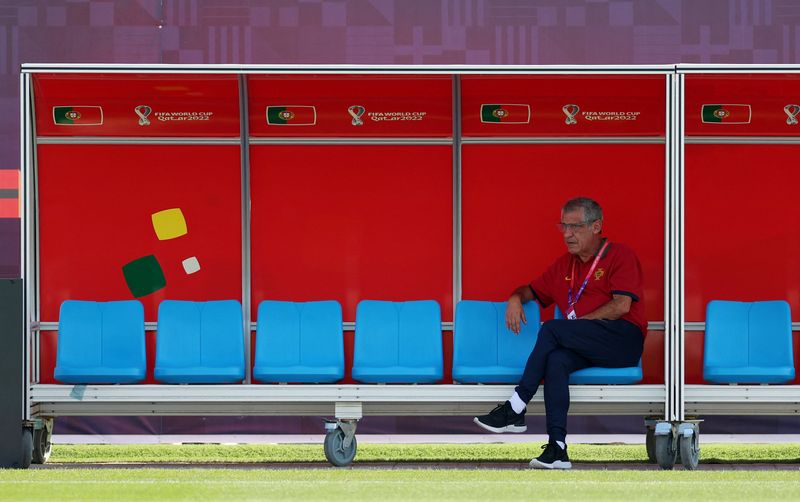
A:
{"x":572,"y":227}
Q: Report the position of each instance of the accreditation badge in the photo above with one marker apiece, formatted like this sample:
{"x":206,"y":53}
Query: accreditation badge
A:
{"x":571,"y":314}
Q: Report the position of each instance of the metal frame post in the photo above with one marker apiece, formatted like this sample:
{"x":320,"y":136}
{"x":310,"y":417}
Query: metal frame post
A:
{"x":244,"y":132}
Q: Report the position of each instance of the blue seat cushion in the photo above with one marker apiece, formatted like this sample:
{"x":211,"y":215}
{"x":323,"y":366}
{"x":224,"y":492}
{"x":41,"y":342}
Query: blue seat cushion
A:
{"x":101,"y":343}
{"x":200,"y":342}
{"x":487,"y":374}
{"x":299,"y":342}
{"x":99,"y":374}
{"x":398,"y":342}
{"x":749,"y":374}
{"x":397,"y":374}
{"x":748,"y":342}
{"x":607,"y":376}
{"x":299,"y":374}
{"x":200,"y":374}
{"x":484,"y":349}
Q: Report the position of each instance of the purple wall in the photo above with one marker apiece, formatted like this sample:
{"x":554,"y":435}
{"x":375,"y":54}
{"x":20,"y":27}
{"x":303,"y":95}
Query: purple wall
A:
{"x":380,"y":32}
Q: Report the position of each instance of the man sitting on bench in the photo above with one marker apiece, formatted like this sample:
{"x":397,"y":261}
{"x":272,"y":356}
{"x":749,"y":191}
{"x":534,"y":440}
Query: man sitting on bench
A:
{"x":597,"y":284}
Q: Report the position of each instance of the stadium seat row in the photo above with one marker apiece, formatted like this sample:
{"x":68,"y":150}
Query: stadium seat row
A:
{"x":395,"y":342}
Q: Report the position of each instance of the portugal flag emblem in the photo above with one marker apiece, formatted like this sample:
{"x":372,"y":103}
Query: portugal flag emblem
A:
{"x":291,"y":115}
{"x":726,"y":114}
{"x":506,"y":114}
{"x":77,"y":115}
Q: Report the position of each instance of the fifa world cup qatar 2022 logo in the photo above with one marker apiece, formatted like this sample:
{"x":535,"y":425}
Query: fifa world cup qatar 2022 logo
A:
{"x":143,"y":111}
{"x":356,"y":111}
{"x":571,"y":111}
{"x":791,"y":111}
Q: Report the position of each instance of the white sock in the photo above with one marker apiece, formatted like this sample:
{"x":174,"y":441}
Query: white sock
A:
{"x":517,"y":404}
{"x":561,"y":444}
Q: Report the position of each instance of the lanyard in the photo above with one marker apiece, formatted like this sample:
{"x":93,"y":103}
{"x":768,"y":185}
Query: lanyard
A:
{"x":588,"y":275}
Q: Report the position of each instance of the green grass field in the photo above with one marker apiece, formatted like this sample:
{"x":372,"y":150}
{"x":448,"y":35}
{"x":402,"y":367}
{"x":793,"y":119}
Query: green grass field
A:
{"x":385,"y":483}
{"x":716,"y":453}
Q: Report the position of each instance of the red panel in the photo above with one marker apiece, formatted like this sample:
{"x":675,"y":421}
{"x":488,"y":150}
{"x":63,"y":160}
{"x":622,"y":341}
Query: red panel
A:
{"x":741,"y":205}
{"x":349,"y":344}
{"x":179,"y":105}
{"x":767,"y":96}
{"x":393,"y":105}
{"x":693,"y":364}
{"x":48,"y":343}
{"x":608,"y":105}
{"x":512,"y":197}
{"x":150,"y":352}
{"x":352,"y":223}
{"x":96,"y":204}
{"x":653,"y":358}
{"x":447,"y":352}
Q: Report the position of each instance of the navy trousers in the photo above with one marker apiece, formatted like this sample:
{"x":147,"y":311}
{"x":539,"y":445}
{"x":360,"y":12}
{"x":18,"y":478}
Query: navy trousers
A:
{"x":565,"y":346}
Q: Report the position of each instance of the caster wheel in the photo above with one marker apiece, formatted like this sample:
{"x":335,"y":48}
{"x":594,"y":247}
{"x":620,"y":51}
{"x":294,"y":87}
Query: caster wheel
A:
{"x":690,"y":451}
{"x":41,"y":446}
{"x":650,"y":443}
{"x":666,"y":453}
{"x":335,"y":451}
{"x":27,"y":449}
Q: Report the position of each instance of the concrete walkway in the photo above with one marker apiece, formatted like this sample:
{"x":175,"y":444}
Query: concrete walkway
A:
{"x":405,"y":438}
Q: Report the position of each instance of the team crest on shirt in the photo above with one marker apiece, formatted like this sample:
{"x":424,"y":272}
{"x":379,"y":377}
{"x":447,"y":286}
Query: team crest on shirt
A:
{"x":598,"y":274}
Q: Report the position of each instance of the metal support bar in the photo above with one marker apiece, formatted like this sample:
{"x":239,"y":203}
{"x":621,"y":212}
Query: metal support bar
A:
{"x":348,"y":410}
{"x":457,"y":265}
{"x":349,"y":429}
{"x":680,"y":287}
{"x":244,"y":118}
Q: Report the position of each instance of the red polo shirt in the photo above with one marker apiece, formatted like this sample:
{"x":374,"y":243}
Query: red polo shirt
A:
{"x":618,"y":273}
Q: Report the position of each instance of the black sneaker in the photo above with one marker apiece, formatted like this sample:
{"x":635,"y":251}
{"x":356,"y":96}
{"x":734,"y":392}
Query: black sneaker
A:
{"x":553,"y":457}
{"x":503,"y":419}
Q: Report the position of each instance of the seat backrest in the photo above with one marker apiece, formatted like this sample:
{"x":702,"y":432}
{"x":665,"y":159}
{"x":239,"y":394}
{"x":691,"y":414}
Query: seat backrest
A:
{"x":398,"y":333}
{"x":199,"y":334}
{"x":740,"y":334}
{"x":481,"y":337}
{"x":101,"y":334}
{"x":299,"y":333}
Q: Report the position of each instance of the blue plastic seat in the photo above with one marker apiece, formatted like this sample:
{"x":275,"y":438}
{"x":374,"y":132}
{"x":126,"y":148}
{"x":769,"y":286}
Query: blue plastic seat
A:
{"x":597,"y":375}
{"x":398,"y":342}
{"x":748,"y":342}
{"x":101,"y":342}
{"x":299,"y":342}
{"x":484,"y":349}
{"x":607,"y":376}
{"x":199,"y":342}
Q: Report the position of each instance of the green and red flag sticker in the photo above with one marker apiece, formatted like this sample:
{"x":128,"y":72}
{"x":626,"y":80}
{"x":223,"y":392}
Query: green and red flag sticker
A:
{"x":506,"y":114}
{"x":78,"y":115}
{"x":296,"y":115}
{"x":726,"y":114}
